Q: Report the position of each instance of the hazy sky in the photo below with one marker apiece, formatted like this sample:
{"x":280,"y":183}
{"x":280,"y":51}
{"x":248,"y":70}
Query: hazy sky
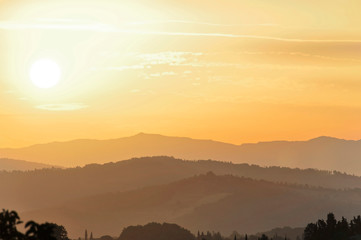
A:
{"x":234,"y":70}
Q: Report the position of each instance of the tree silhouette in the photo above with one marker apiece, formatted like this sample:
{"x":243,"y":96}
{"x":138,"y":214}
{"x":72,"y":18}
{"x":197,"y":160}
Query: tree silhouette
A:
{"x":263,"y":237}
{"x":156,"y":231}
{"x":331,"y":229}
{"x":355,"y":225}
{"x":60,"y":232}
{"x":106,"y":237}
{"x":8,"y":225}
{"x":46,"y":231}
{"x":37,"y":231}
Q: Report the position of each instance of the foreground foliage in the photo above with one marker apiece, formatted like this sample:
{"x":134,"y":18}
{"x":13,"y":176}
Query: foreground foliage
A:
{"x":331,"y":229}
{"x":10,"y":220}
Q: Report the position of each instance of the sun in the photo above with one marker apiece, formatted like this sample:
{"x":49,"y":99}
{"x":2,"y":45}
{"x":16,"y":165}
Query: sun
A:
{"x":45,"y":73}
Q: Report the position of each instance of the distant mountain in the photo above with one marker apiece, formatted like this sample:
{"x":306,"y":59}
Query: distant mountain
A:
{"x":204,"y":202}
{"x":322,"y":153}
{"x":20,"y":165}
{"x":48,"y":187}
{"x":81,"y":152}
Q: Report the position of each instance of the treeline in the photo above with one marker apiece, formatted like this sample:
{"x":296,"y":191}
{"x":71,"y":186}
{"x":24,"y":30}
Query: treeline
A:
{"x":10,"y":220}
{"x":331,"y":229}
{"x":166,"y":231}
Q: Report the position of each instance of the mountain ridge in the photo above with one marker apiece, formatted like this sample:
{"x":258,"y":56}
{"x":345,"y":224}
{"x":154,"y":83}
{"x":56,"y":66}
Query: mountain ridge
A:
{"x":140,"y":134}
{"x":322,"y":153}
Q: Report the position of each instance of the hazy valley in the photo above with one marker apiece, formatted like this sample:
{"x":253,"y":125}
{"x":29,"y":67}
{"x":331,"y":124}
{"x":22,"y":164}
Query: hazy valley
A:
{"x":180,"y":120}
{"x":204,"y":195}
{"x":219,"y":203}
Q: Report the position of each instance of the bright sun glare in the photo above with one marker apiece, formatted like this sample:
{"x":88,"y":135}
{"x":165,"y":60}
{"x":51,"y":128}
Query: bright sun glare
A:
{"x":45,"y":73}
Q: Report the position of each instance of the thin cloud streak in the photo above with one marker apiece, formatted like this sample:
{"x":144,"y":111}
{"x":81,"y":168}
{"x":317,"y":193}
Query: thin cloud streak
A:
{"x":51,"y":26}
{"x":301,"y":54}
{"x":111,"y":29}
{"x":226,"y":35}
{"x":62,"y":107}
{"x":201,"y":23}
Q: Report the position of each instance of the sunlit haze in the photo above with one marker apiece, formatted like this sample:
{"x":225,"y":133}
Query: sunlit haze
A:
{"x":180,"y":120}
{"x":235,"y":71}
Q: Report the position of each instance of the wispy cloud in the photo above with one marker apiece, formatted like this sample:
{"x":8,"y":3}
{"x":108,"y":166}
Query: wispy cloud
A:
{"x":199,"y":23}
{"x":187,"y":22}
{"x":160,"y":74}
{"x":171,"y":58}
{"x":62,"y":20}
{"x":227,"y":35}
{"x":198,"y":59}
{"x":106,"y":28}
{"x":62,"y":106}
{"x":191,"y":59}
{"x":56,"y":25}
{"x":301,"y":54}
{"x":125,"y":67}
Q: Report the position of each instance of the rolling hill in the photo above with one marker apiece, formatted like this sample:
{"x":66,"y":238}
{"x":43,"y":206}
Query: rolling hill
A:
{"x":204,"y":202}
{"x":20,"y":165}
{"x":48,"y":187}
{"x":321,"y":153}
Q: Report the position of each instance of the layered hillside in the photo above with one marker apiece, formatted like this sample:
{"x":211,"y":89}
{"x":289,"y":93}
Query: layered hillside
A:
{"x":204,"y":202}
{"x":45,"y":188}
{"x":321,"y":153}
{"x":20,"y":165}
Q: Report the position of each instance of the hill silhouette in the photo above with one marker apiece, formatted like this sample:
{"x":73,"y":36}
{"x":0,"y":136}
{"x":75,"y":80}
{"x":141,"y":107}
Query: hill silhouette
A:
{"x":20,"y":165}
{"x":204,"y":202}
{"x":47,"y":187}
{"x":156,"y":231}
{"x":322,"y":153}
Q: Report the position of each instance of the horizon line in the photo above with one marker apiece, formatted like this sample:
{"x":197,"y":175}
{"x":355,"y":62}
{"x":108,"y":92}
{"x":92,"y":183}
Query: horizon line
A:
{"x":171,"y":136}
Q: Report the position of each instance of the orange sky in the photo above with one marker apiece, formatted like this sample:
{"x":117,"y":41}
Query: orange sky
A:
{"x":235,"y":71}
